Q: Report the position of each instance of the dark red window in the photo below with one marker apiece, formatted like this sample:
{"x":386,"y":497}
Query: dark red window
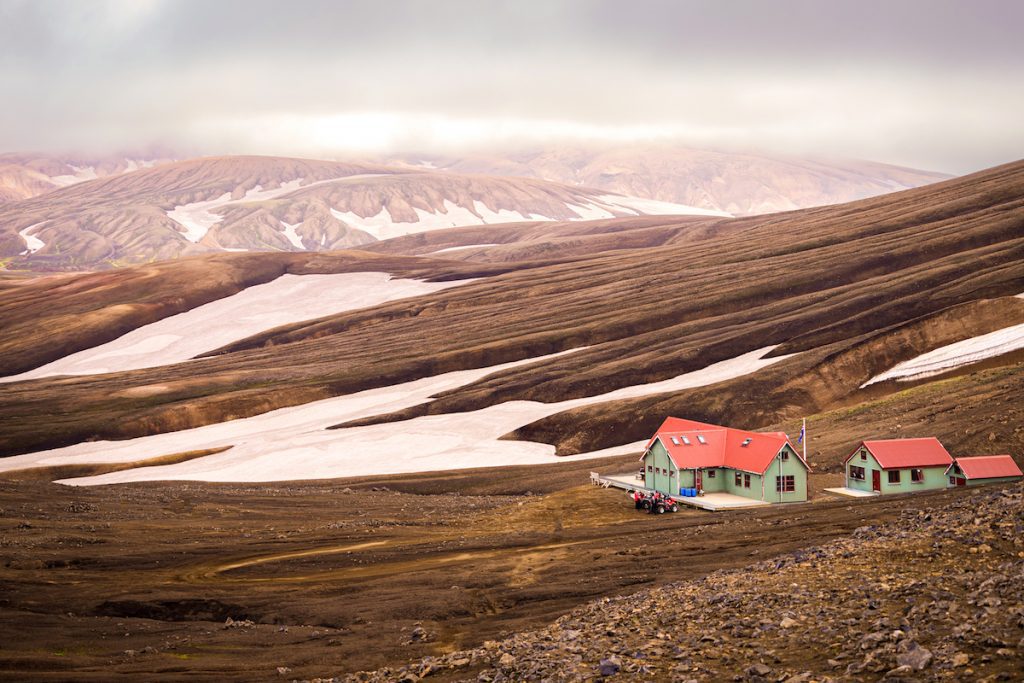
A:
{"x":917,"y":476}
{"x":894,"y":476}
{"x":746,"y":481}
{"x":785,"y":484}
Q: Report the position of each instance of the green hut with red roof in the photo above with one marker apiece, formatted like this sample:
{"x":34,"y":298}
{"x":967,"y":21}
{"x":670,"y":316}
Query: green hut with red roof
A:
{"x":983,"y":469}
{"x":898,"y":465}
{"x":757,"y":465}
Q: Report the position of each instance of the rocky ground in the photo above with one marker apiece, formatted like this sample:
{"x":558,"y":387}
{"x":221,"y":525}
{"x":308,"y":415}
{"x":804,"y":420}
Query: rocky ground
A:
{"x":179,"y":580}
{"x":937,"y":594}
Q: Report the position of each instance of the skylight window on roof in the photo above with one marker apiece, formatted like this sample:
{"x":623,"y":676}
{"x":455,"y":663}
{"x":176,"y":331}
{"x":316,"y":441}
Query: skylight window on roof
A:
{"x":675,"y":441}
{"x":700,"y":437}
{"x":746,"y":442}
{"x":686,"y":440}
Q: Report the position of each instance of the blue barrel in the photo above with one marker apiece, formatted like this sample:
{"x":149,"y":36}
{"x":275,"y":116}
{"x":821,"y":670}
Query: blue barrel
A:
{"x":693,"y":493}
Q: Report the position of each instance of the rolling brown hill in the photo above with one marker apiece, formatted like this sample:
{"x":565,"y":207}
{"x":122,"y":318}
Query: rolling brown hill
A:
{"x":823,"y":283}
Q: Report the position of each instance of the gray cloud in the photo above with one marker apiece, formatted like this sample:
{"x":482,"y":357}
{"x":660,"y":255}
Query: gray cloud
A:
{"x":928,"y":83}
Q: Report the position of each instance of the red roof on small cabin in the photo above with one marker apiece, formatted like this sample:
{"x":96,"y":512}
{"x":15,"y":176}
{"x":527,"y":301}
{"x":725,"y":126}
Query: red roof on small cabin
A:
{"x":897,"y":453}
{"x":988,"y":467}
{"x":722,"y":446}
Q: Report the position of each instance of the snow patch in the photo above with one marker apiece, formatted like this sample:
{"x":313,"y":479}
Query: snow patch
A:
{"x":32,"y":242}
{"x":504,"y":215}
{"x":81,"y":174}
{"x":288,"y":299}
{"x":590,"y":212}
{"x":465,"y":246}
{"x":197,"y":218}
{"x":955,"y":355}
{"x":451,"y":215}
{"x":293,"y":443}
{"x":653,"y":207}
{"x":292,"y":236}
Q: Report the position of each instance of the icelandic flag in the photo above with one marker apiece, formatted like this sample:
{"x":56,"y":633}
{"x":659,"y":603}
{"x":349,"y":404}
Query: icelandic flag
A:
{"x":803,"y":430}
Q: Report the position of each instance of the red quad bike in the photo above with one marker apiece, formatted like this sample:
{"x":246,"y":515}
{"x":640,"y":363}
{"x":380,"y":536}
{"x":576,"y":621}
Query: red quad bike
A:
{"x":662,"y":504}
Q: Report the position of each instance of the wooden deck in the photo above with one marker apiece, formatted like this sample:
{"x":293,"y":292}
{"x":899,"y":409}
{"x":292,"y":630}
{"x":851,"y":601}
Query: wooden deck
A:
{"x":852,"y":493}
{"x":709,"y":501}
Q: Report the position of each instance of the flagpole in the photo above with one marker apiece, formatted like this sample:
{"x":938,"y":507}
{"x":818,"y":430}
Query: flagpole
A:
{"x":803,"y":431}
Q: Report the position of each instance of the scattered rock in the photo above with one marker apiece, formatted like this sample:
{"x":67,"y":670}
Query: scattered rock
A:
{"x":759,"y":670}
{"x":915,"y":656}
{"x":610,"y":666}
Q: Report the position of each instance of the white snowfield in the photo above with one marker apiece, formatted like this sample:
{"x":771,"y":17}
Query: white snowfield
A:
{"x":288,"y":299}
{"x":293,"y":443}
{"x":653,"y":207}
{"x":956,"y":355}
{"x":32,"y":243}
{"x":382,"y":225}
{"x":80,"y":175}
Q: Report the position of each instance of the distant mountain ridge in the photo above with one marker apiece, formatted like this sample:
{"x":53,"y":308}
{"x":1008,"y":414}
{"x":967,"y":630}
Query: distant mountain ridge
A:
{"x":739,"y":183}
{"x":24,"y":175}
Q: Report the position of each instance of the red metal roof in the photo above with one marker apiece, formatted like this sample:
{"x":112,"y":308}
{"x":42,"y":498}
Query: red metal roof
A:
{"x":988,"y":467}
{"x":722,"y":447}
{"x":897,"y":453}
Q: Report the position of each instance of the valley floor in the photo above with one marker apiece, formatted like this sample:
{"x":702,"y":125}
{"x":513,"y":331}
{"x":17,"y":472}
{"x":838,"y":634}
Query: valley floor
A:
{"x":302,"y":580}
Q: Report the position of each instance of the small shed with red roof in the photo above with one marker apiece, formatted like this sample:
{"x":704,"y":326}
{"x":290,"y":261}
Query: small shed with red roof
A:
{"x":898,"y":465}
{"x":983,"y":469}
{"x":758,"y":465}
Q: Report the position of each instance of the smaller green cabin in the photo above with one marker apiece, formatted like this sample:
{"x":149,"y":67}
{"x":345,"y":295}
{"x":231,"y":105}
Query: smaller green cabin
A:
{"x":983,"y":469}
{"x":898,"y":466}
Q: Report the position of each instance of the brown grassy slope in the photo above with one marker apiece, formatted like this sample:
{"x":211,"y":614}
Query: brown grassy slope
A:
{"x":973,"y":412}
{"x":813,"y":278}
{"x":555,"y":240}
{"x":54,"y":316}
{"x":805,"y":384}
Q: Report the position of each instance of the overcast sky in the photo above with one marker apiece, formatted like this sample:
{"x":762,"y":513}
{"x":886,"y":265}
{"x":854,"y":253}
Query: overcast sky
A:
{"x":925,"y":83}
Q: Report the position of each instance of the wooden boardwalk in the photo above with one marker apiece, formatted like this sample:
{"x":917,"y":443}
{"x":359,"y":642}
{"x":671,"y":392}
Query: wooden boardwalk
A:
{"x":709,"y":501}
